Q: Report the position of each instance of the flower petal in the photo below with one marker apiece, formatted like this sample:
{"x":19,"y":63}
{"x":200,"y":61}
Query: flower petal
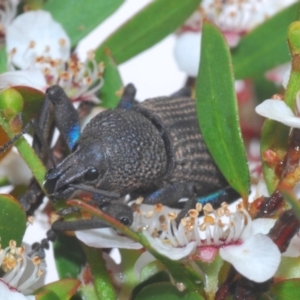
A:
{"x":168,"y":250}
{"x":277,"y":110}
{"x":11,"y":293}
{"x":35,"y":34}
{"x":257,"y":258}
{"x":106,"y":238}
{"x":187,"y":52}
{"x":262,"y":225}
{"x":31,"y":78}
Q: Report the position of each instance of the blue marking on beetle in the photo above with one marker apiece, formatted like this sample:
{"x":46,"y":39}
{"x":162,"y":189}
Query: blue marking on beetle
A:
{"x":154,"y":195}
{"x":126,"y":105}
{"x":73,"y":135}
{"x":211,"y":197}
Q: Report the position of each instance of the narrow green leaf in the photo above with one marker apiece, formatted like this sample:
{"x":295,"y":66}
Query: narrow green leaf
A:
{"x":69,"y":256}
{"x":12,"y":220}
{"x":63,"y":289}
{"x":112,"y":86}
{"x":80,"y":17}
{"x":166,"y":291}
{"x":146,"y":28}
{"x":287,"y":289}
{"x":217,"y":109}
{"x":265,"y":47}
{"x":128,"y":260}
{"x":101,"y":279}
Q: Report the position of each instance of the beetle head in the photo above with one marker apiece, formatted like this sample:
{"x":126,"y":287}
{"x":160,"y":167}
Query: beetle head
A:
{"x":86,"y":165}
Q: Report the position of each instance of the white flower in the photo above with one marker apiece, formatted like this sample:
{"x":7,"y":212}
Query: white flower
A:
{"x":146,"y":216}
{"x":234,"y":18}
{"x":20,"y":272}
{"x":36,"y":42}
{"x":278,"y":110}
{"x":7,"y":292}
{"x":35,"y":34}
{"x":106,"y":237}
{"x":237,"y":238}
{"x":30,"y":78}
{"x":240,"y":16}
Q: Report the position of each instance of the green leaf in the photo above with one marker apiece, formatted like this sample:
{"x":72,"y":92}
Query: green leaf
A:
{"x":289,"y":268}
{"x":146,"y":28}
{"x":79,"y":18}
{"x":101,"y":279}
{"x":217,"y":109}
{"x":12,"y":220}
{"x":110,"y":92}
{"x":162,"y":276}
{"x":69,"y":256}
{"x":265,"y":47}
{"x":128,"y":260}
{"x":287,"y":289}
{"x":32,"y":102}
{"x":47,"y":295}
{"x":166,"y":291}
{"x":63,"y":289}
{"x":211,"y":271}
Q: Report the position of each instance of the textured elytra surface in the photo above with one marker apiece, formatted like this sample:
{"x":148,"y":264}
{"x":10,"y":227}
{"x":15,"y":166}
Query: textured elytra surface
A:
{"x":133,"y":149}
{"x":192,"y":161}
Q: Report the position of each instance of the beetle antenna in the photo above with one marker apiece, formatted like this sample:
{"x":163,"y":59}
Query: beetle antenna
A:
{"x":96,"y":193}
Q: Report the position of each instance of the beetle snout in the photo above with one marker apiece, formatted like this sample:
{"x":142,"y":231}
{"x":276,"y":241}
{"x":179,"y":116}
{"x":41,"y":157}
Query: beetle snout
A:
{"x":50,"y":180}
{"x":56,"y":186}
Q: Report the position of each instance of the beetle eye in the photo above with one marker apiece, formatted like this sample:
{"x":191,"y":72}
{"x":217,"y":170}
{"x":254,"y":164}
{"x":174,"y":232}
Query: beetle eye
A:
{"x":125,"y":221}
{"x":91,"y":174}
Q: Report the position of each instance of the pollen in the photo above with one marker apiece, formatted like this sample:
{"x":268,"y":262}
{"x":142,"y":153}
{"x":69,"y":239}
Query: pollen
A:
{"x":158,"y":208}
{"x":193,"y":213}
{"x":172,"y":215}
{"x":149,"y":214}
{"x":139,"y":200}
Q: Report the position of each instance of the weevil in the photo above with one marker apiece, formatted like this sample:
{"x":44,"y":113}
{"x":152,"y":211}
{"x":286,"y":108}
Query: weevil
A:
{"x":152,"y":149}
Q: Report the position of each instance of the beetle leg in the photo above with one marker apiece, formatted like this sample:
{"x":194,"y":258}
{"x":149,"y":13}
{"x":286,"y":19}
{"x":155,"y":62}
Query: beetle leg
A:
{"x":127,"y":99}
{"x":171,"y":194}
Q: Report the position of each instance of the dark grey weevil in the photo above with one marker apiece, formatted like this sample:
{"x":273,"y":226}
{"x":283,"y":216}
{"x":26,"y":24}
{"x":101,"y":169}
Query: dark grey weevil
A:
{"x":152,"y":149}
